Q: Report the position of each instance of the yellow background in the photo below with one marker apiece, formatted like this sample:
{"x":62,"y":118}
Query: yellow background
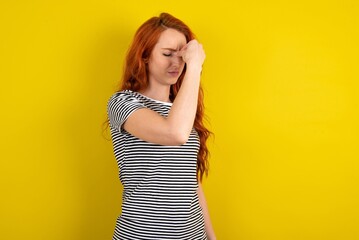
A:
{"x":281,"y":82}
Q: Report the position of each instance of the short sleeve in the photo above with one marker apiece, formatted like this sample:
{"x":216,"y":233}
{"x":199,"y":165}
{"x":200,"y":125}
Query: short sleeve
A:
{"x":120,"y":106}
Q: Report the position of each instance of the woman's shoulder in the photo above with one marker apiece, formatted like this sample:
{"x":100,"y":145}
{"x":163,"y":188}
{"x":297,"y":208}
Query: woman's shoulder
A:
{"x":123,"y":95}
{"x":133,"y":96}
{"x":124,"y":100}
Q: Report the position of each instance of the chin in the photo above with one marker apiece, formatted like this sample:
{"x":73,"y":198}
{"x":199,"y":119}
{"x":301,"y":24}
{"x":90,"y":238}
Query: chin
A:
{"x":174,"y":82}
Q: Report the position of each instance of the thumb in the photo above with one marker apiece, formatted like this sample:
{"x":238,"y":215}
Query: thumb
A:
{"x":182,"y":50}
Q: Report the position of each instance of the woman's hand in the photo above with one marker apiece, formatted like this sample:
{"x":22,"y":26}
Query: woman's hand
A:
{"x":193,"y":54}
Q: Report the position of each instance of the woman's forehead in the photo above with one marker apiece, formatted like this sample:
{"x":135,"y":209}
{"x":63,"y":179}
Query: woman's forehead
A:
{"x":171,"y":39}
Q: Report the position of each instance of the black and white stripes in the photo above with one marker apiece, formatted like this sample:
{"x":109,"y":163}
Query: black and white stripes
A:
{"x":159,"y":198}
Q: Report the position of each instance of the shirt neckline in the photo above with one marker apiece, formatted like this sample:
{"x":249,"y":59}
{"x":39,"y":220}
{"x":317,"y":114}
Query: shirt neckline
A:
{"x":154,"y":100}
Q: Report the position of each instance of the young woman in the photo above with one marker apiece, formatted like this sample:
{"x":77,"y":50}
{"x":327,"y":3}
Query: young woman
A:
{"x":159,"y":139}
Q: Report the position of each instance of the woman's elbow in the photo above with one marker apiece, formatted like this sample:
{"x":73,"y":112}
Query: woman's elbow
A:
{"x":178,"y":137}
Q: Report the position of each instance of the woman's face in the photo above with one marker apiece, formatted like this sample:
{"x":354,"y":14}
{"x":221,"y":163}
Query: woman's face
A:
{"x":164,"y":65}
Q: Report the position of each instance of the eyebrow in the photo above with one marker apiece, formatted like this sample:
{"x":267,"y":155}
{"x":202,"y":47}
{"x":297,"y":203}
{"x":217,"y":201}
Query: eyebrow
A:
{"x":171,"y":49}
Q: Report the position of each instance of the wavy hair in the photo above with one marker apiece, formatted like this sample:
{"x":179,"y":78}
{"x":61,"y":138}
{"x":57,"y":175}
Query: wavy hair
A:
{"x":135,"y":75}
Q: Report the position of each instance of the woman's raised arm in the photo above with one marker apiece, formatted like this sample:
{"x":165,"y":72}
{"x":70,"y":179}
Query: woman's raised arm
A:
{"x":176,"y":128}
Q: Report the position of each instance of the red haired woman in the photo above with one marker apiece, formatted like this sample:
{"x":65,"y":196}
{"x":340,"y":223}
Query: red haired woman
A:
{"x":159,"y":139}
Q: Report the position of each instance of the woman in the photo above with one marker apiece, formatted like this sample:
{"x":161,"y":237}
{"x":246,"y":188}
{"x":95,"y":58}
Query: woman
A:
{"x":156,"y":124}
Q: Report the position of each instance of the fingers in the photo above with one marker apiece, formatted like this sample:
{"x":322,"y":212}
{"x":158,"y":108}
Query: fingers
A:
{"x":188,"y":45}
{"x":192,"y":53}
{"x":182,"y":51}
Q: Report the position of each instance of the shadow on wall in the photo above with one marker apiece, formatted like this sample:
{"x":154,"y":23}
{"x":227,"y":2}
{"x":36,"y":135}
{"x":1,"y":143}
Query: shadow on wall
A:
{"x":95,"y":169}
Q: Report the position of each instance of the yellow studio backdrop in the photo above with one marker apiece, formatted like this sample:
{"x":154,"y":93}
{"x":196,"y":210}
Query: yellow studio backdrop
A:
{"x":281,"y":83}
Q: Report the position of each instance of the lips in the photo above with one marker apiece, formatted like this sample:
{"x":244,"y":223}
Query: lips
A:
{"x":173,"y":73}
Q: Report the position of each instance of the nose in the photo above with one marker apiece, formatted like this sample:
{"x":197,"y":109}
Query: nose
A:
{"x":177,"y":59}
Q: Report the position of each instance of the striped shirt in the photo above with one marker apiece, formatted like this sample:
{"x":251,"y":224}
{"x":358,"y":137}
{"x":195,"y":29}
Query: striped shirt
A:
{"x":159,"y":199}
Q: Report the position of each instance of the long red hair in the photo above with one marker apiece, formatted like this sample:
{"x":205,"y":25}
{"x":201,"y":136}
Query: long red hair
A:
{"x":135,"y":75}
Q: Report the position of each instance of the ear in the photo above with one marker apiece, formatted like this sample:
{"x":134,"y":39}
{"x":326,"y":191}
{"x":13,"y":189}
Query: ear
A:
{"x":145,"y":60}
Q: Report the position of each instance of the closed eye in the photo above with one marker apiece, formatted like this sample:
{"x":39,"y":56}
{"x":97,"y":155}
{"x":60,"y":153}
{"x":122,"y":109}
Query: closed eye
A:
{"x":167,"y":54}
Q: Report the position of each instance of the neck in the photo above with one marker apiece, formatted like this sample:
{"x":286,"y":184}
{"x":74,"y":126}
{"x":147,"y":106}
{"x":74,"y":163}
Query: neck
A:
{"x":160,"y":93}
